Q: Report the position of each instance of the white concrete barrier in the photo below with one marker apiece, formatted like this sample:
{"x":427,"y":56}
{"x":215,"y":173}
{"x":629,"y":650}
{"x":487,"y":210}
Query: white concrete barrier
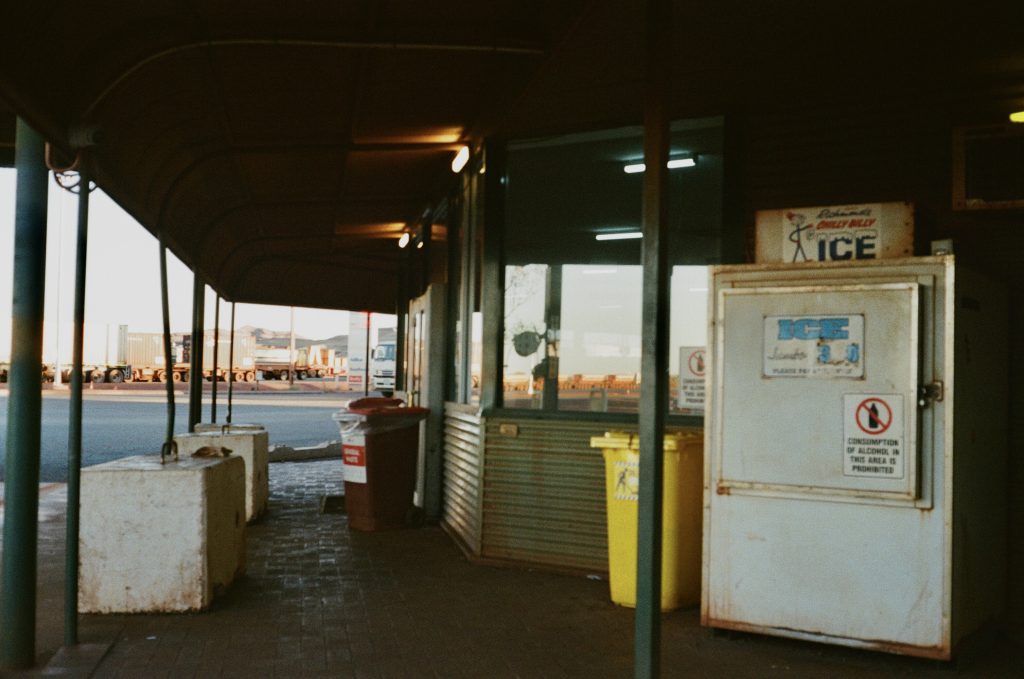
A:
{"x":160,"y":537}
{"x":251,"y":446}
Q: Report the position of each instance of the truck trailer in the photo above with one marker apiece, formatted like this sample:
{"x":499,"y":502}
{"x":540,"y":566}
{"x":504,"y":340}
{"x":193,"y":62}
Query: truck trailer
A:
{"x":274,"y":364}
{"x":140,"y":357}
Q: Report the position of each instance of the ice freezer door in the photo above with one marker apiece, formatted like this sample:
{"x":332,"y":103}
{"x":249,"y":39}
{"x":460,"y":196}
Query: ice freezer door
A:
{"x":818,"y":390}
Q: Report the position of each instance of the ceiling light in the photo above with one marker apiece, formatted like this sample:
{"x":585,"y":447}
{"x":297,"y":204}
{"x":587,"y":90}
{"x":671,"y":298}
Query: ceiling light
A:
{"x":634,"y":168}
{"x":1017,"y":117}
{"x":403,"y":240}
{"x":461,"y":158}
{"x":622,"y":235}
{"x":419,"y":245}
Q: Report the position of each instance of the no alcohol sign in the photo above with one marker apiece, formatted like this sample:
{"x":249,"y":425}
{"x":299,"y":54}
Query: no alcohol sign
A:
{"x":692,"y":368}
{"x":873,"y":436}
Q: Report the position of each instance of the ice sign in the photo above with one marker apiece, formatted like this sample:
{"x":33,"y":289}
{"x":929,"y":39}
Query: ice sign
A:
{"x":816,"y":346}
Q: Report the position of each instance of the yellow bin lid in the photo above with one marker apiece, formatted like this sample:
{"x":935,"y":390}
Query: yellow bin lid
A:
{"x":618,"y":440}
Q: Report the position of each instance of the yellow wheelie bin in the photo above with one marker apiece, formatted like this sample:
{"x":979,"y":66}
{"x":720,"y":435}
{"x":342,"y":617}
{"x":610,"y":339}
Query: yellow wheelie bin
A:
{"x":681,"y":516}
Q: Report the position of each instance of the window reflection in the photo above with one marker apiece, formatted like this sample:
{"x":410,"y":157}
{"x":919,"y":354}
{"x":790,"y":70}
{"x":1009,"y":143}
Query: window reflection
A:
{"x":577,"y":347}
{"x":573,"y":280}
{"x":572,"y":339}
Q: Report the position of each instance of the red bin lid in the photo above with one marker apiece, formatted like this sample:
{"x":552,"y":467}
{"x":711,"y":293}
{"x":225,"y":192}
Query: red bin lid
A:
{"x":384,"y":406}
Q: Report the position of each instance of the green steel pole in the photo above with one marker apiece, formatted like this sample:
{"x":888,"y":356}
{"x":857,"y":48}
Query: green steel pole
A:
{"x":195,"y":385}
{"x":231,"y":362}
{"x":553,"y":330}
{"x":168,"y":349}
{"x":492,"y":275}
{"x":654,"y":343}
{"x":216,"y":346}
{"x":24,"y":406}
{"x":366,"y":361}
{"x":468,"y":276}
{"x":401,"y":309}
{"x":75,"y":422}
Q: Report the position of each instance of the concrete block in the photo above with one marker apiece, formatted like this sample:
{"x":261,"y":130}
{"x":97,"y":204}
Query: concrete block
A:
{"x":160,"y":537}
{"x":251,"y":446}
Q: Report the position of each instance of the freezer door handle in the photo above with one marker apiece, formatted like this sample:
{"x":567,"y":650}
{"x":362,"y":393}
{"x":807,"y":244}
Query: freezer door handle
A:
{"x":927,"y":393}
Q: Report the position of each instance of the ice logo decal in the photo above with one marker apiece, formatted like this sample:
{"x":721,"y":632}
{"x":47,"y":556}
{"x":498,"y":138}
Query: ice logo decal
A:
{"x":813,"y":328}
{"x":814,"y":346}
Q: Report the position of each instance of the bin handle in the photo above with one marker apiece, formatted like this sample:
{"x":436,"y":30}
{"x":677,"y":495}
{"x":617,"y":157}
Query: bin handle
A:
{"x":349,"y":428}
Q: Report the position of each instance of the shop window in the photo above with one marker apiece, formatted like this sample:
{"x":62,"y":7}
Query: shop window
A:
{"x":573,"y":280}
{"x":688,"y":333}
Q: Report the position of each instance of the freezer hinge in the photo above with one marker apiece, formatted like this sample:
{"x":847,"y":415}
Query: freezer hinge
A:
{"x":927,"y":393}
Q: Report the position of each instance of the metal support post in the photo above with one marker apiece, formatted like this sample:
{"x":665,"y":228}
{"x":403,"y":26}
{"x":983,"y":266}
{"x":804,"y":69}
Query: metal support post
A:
{"x":553,"y":329}
{"x":75,"y":421}
{"x":231,"y":362}
{"x":401,"y":319}
{"x":24,"y":406}
{"x":427,"y":253}
{"x":654,"y":343}
{"x":468,"y":270}
{"x":195,"y":385}
{"x":168,"y":349}
{"x":492,"y":280}
{"x":216,"y":369}
{"x":452,"y":276}
{"x":366,"y":361}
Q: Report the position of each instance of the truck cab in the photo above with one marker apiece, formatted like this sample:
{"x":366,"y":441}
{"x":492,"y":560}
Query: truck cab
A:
{"x":382,"y":368}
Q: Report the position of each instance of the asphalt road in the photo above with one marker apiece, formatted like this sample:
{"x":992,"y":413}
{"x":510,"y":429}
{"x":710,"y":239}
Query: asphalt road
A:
{"x":119,"y":424}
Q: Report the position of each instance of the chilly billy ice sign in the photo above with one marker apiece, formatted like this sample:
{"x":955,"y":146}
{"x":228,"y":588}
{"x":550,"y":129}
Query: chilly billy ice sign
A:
{"x":835,"y":233}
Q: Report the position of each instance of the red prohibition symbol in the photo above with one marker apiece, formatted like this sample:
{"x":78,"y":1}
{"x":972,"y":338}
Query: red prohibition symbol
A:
{"x":696,"y":363}
{"x":874,"y":416}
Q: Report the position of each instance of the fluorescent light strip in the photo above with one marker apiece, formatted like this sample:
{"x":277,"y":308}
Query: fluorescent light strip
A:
{"x":599,"y":272}
{"x":634,"y":168}
{"x":624,"y":235}
{"x":1017,"y":117}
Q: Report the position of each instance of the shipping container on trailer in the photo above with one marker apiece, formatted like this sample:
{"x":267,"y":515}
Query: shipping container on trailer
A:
{"x":144,"y":352}
{"x":244,"y":360}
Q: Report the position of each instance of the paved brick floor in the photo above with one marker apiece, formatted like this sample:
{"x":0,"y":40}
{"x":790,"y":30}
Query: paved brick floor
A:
{"x":321,"y":601}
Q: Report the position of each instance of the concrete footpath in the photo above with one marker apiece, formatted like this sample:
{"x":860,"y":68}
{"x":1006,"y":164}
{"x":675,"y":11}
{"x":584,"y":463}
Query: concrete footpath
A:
{"x":319,"y":600}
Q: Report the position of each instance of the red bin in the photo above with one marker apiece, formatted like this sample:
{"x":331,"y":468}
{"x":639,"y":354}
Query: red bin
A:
{"x":380,"y":445}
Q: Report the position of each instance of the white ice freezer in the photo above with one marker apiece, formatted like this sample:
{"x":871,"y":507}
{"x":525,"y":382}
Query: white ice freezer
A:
{"x":856,"y":437}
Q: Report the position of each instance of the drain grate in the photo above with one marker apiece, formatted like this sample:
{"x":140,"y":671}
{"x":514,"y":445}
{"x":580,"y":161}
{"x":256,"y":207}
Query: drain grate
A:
{"x":332,"y":504}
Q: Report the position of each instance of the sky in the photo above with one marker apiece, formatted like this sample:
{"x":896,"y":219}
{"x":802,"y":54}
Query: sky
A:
{"x":123,"y":281}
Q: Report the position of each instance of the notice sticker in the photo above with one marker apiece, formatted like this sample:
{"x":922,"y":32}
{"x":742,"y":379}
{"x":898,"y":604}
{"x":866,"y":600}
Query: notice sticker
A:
{"x":353,"y":455}
{"x":692,"y":367}
{"x":873,"y":436}
{"x":813,"y":346}
{"x":627,"y":479}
